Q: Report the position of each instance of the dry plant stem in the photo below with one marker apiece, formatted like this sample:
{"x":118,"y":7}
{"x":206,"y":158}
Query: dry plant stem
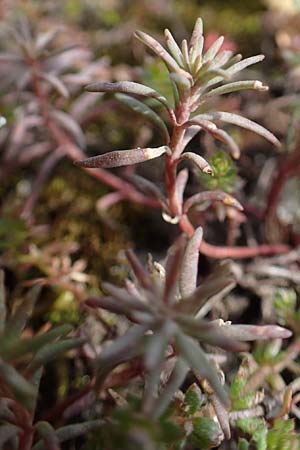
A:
{"x":74,"y":152}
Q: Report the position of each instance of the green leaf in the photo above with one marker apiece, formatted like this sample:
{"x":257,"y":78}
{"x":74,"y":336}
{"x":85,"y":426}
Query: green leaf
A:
{"x":200,"y":364}
{"x":146,"y":112}
{"x":71,"y":432}
{"x":52,"y":351}
{"x":23,"y":391}
{"x":11,"y":349}
{"x":206,"y":433}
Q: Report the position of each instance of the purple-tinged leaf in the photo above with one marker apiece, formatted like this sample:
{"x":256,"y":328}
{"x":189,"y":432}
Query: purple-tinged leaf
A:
{"x":197,"y":32}
{"x":148,"y":188}
{"x":211,"y":196}
{"x":222,"y":415}
{"x":241,"y":65}
{"x":185,"y":54}
{"x":70,"y":432}
{"x":222,"y":278}
{"x":242,"y":122}
{"x":173,"y":47}
{"x":138,"y":270}
{"x":189,"y":268}
{"x":213,"y":49}
{"x":122,"y":349}
{"x":22,"y":390}
{"x":129,"y":87}
{"x":180,"y":184}
{"x":47,"y":433}
{"x":122,"y":296}
{"x":175,"y":380}
{"x":200,"y":364}
{"x":159,"y":50}
{"x":198,"y":161}
{"x":210,"y":333}
{"x":146,"y":112}
{"x":43,"y":40}
{"x":254,"y":332}
{"x":56,"y":83}
{"x":70,"y":125}
{"x":173,"y":265}
{"x":121,"y":158}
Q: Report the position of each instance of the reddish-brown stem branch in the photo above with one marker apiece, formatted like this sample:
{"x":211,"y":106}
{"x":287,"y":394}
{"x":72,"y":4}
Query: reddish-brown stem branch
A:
{"x":231,"y":252}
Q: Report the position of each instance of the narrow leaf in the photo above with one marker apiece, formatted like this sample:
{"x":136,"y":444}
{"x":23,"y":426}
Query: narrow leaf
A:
{"x":241,"y":65}
{"x":129,"y":87}
{"x":70,"y":125}
{"x":213,"y":49}
{"x":242,"y":122}
{"x":180,"y":184}
{"x":173,"y":265}
{"x":174,"y":383}
{"x":56,"y":83}
{"x":7,"y":431}
{"x":199,"y":162}
{"x":200,"y":364}
{"x":23,"y":391}
{"x":120,"y":158}
{"x":189,"y":268}
{"x":2,"y":302}
{"x":71,"y":432}
{"x":254,"y":332}
{"x":215,"y":283}
{"x":12,"y":349}
{"x":159,"y":50}
{"x":236,"y":86}
{"x":173,"y":47}
{"x":211,"y":196}
{"x":146,"y":112}
{"x":138,"y":270}
{"x":47,"y":433}
{"x":17,"y":322}
{"x":52,"y":351}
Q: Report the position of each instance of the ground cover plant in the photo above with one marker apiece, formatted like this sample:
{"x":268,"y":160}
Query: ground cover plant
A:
{"x":104,"y":345}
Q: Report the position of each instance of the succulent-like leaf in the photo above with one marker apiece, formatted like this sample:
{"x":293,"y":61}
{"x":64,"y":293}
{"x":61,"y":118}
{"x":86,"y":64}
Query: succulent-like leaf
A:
{"x":213,"y":49}
{"x":12,"y":349}
{"x":173,"y":266}
{"x":175,"y":380}
{"x":138,"y":270}
{"x":199,"y":363}
{"x":121,"y":158}
{"x":218,"y":196}
{"x":48,"y":435}
{"x":56,"y":83}
{"x":173,"y":47}
{"x":17,"y":321}
{"x":52,"y":351}
{"x":253,"y":332}
{"x":7,"y":431}
{"x":199,"y":162}
{"x":236,"y":86}
{"x":129,"y":87}
{"x":180,"y":184}
{"x":241,"y":65}
{"x":2,"y":302}
{"x":22,"y":390}
{"x":242,"y":122}
{"x":71,"y":432}
{"x":189,"y":268}
{"x":70,"y":125}
{"x":219,"y":280}
{"x":146,"y":112}
{"x":159,"y":50}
